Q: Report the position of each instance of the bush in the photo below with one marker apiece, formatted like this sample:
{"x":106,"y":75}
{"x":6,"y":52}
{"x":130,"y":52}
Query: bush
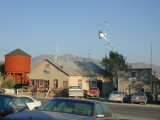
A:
{"x":9,"y":82}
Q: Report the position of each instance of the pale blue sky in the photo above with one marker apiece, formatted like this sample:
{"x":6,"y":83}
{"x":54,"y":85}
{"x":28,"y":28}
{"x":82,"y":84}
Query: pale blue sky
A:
{"x":36,"y":26}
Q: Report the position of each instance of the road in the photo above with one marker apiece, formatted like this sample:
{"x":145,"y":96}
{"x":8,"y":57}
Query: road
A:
{"x":136,"y":111}
{"x":128,"y":111}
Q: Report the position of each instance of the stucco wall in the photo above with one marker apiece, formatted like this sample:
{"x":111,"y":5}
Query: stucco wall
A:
{"x":142,"y":81}
{"x":54,"y":74}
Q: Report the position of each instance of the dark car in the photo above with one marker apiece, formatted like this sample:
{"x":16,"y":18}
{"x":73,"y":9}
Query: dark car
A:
{"x":67,"y":109}
{"x":139,"y":97}
{"x":10,"y":104}
{"x":2,"y":90}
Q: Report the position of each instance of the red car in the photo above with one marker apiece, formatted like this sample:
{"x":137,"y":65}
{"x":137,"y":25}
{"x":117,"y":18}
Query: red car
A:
{"x":93,"y":92}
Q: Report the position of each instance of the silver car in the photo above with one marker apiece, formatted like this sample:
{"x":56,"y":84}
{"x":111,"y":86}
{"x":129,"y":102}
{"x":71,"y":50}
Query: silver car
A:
{"x":67,"y":109}
{"x":139,"y":98}
{"x":117,"y":96}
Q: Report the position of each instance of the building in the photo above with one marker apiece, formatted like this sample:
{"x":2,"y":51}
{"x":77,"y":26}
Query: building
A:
{"x":135,"y":80}
{"x":55,"y":74}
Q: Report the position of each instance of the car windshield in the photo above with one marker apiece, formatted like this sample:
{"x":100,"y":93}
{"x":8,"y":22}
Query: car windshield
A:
{"x":116,"y":92}
{"x":93,"y":88}
{"x":11,"y":102}
{"x":74,"y":87}
{"x":139,"y":94}
{"x":69,"y":106}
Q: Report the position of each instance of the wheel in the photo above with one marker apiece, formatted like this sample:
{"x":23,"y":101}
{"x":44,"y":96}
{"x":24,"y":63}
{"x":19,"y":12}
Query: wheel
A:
{"x":98,"y":96}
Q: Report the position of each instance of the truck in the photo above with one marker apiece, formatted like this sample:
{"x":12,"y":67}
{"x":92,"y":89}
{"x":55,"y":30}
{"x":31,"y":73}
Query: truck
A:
{"x":93,"y":92}
{"x":75,"y":92}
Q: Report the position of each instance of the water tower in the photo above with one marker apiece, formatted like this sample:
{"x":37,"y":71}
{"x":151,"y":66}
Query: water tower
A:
{"x":17,"y":64}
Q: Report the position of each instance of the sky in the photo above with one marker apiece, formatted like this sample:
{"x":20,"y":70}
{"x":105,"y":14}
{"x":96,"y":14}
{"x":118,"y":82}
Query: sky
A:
{"x":61,"y":27}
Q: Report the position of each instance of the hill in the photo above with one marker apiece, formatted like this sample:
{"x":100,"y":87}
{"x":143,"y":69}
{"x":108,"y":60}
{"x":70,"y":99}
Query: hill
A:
{"x":36,"y":60}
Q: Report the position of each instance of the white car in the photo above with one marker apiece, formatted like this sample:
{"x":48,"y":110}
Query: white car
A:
{"x":31,"y":102}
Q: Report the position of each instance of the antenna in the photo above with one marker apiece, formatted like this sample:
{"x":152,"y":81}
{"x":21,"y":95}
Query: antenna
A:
{"x":57,"y":53}
{"x":105,"y":27}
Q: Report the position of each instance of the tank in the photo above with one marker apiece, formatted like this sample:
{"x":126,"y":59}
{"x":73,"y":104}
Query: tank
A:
{"x":17,"y":61}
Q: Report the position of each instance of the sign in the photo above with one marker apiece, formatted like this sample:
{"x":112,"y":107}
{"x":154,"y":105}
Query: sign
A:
{"x":132,"y":79}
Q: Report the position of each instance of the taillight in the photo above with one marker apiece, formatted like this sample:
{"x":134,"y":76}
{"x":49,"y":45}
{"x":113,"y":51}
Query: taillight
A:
{"x":120,"y":96}
{"x":142,"y":98}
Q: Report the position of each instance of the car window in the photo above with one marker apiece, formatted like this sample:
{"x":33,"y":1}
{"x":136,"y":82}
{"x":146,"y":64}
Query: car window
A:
{"x":99,"y":109}
{"x":93,"y":88}
{"x":116,"y":92}
{"x":19,"y":102}
{"x":70,"y":107}
{"x":107,"y":110}
{"x":27,"y":99}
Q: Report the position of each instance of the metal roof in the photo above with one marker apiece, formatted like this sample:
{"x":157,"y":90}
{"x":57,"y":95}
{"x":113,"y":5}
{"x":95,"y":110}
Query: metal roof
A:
{"x":79,"y":68}
{"x":18,"y":52}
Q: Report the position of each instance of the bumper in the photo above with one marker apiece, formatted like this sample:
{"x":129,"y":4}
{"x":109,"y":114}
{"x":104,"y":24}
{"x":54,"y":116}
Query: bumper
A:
{"x":92,"y":95}
{"x":138,"y":100}
{"x":115,"y":99}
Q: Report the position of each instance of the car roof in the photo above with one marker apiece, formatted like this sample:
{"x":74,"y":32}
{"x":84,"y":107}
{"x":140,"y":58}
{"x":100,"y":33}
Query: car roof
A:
{"x":75,"y":99}
{"x":14,"y":95}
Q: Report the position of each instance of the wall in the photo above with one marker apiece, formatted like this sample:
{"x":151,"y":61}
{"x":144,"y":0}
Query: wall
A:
{"x":54,"y":73}
{"x":141,"y":81}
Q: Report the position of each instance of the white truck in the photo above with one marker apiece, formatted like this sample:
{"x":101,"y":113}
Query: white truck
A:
{"x":75,"y":91}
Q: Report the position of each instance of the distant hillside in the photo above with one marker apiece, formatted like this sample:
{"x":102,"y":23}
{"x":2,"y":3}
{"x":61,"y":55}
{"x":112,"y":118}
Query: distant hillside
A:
{"x":36,"y":60}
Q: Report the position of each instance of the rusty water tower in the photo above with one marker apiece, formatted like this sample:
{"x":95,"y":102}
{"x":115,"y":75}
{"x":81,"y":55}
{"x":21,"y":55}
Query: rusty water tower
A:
{"x":17,"y":64}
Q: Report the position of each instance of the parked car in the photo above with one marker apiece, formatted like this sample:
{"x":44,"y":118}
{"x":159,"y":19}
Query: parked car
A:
{"x":139,"y":97}
{"x":16,"y":103}
{"x":127,"y":98}
{"x":117,"y":96}
{"x":93,"y":92}
{"x":158,"y":98}
{"x":67,"y":109}
{"x":75,"y":91}
{"x":31,"y":102}
{"x":10,"y":104}
{"x":2,"y":90}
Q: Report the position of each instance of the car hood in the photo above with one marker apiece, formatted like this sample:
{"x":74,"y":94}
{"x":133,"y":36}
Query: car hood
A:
{"x":45,"y":115}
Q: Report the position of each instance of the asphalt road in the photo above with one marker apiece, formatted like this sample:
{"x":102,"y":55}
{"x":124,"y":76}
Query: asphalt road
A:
{"x":128,"y":111}
{"x":136,"y":111}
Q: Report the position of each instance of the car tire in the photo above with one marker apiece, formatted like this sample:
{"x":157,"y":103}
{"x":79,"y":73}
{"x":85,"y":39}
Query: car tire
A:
{"x":97,"y":96}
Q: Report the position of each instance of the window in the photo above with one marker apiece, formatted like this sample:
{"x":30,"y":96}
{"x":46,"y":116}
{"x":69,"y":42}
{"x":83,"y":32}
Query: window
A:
{"x":80,"y":83}
{"x":107,"y":111}
{"x":46,"y":72}
{"x":55,"y":83}
{"x":134,"y":74}
{"x":27,"y":100}
{"x":41,"y":83}
{"x":99,"y":109}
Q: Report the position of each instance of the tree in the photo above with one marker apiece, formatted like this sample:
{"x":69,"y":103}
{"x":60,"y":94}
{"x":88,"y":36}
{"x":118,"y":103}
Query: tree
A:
{"x":114,"y":62}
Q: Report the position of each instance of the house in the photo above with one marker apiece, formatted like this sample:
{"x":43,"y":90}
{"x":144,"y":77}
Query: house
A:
{"x":55,"y":74}
{"x":135,"y":80}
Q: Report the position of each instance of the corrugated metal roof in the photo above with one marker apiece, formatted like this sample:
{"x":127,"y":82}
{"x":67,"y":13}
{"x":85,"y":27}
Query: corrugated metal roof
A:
{"x":18,"y":52}
{"x":79,"y":68}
